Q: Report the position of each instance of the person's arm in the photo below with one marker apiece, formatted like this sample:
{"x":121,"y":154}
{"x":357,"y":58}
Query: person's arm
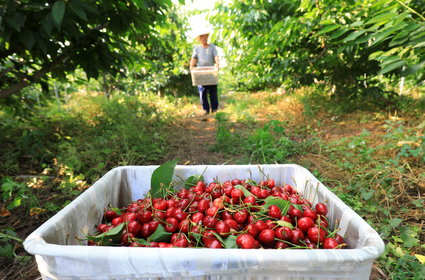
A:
{"x":217,"y":61}
{"x":193,"y":62}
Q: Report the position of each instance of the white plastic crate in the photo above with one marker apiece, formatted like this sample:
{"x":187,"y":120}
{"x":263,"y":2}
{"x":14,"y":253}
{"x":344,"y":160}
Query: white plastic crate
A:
{"x":59,"y":256}
{"x":204,"y":76}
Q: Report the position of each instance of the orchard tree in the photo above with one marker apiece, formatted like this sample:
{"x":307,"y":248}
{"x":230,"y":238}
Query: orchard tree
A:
{"x":42,"y":38}
{"x":347,"y":44}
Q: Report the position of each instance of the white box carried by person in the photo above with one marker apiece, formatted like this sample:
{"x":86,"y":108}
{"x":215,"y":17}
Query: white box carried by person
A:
{"x":59,"y":254}
{"x":205,"y":76}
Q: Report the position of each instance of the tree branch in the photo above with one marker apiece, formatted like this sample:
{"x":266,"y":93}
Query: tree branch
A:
{"x":4,"y":93}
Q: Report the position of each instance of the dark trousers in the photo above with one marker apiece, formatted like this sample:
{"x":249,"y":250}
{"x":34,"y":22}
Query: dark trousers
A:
{"x":204,"y":91}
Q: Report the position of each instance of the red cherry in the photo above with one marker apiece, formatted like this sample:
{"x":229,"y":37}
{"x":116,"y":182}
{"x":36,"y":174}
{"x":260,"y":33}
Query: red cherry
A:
{"x":252,"y":230}
{"x":286,"y":219}
{"x":260,"y":225}
{"x":249,"y":200}
{"x":160,"y":205}
{"x":183,"y":203}
{"x":321,"y":209}
{"x":236,"y":182}
{"x":180,"y":215}
{"x":245,"y":241}
{"x":134,"y":227}
{"x":144,"y":216}
{"x":127,"y":239}
{"x":289,"y":189}
{"x":270,"y":183}
{"x":116,"y":221}
{"x":171,"y":224}
{"x":203,"y":205}
{"x":316,"y":235}
{"x":181,"y":242}
{"x":110,"y":215}
{"x":241,"y":216}
{"x":274,"y":212}
{"x":281,"y":245}
{"x":227,"y":189}
{"x":213,"y":244}
{"x":232,"y":224}
{"x":129,"y":216}
{"x":184,"y":225}
{"x":212,"y":211}
{"x":297,"y":235}
{"x":284,"y":233}
{"x":330,"y":243}
{"x":263,"y":193}
{"x":102,"y":228}
{"x":209,"y":222}
{"x":226,"y":215}
{"x":237,"y":194}
{"x":266,"y":237}
{"x":197,"y":217}
{"x":339,"y":239}
{"x":170,"y":212}
{"x":271,"y":224}
{"x":305,"y":223}
{"x":153,"y":225}
{"x":295,"y":213}
{"x":310,"y":213}
{"x":146,"y":230}
{"x":222,"y":228}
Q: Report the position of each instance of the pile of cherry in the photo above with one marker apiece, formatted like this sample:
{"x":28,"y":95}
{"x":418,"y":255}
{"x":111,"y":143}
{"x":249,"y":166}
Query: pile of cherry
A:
{"x":234,"y":214}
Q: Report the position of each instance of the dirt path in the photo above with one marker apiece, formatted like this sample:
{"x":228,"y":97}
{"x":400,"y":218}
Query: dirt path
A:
{"x":192,"y":139}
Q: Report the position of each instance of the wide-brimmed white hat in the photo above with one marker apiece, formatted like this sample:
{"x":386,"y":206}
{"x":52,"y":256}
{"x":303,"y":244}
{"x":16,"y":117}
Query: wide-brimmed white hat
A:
{"x":202,"y":31}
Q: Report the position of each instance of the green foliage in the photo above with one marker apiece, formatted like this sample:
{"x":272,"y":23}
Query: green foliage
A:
{"x":9,"y":241}
{"x":161,"y":179}
{"x":226,"y":140}
{"x":88,"y":137}
{"x":347,"y":44}
{"x":15,"y":194}
{"x":58,"y":37}
{"x":270,"y":144}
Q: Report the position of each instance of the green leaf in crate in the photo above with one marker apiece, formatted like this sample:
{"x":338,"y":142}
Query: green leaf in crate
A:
{"x":162,"y":178}
{"x":110,"y":237}
{"x":244,"y":190}
{"x":142,"y":241}
{"x":284,"y":224}
{"x":116,"y":210}
{"x":297,"y":206}
{"x":160,"y":235}
{"x":230,"y":242}
{"x":192,"y":180}
{"x":218,"y":237}
{"x":279,"y":202}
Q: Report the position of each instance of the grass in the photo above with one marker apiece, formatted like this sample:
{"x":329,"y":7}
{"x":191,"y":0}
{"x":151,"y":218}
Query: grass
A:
{"x":373,"y":160}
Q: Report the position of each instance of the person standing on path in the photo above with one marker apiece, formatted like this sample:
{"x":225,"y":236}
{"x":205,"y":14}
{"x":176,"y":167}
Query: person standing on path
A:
{"x":206,"y":54}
